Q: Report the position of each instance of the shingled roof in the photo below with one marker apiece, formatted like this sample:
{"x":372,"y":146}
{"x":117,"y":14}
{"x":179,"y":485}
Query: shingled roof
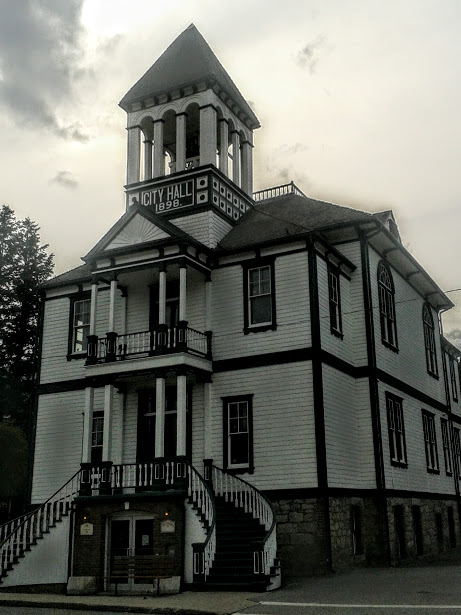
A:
{"x":287,"y":215}
{"x":188,"y":60}
{"x":77,"y":275}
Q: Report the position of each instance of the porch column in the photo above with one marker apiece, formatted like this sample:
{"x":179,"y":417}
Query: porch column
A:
{"x":147,"y":158}
{"x":159,"y":154}
{"x":111,"y":349}
{"x":223,"y":146}
{"x":87,"y":425}
{"x":109,"y":391}
{"x":247,"y":167}
{"x":181,"y":400}
{"x":182,"y":291}
{"x":161,"y":334}
{"x":181,"y":141}
{"x":208,"y":298}
{"x":92,"y":340}
{"x":160,"y":417}
{"x":207,"y":419}
{"x":133,"y":154}
{"x":236,"y":157}
{"x":208,"y":135}
{"x":117,"y":420}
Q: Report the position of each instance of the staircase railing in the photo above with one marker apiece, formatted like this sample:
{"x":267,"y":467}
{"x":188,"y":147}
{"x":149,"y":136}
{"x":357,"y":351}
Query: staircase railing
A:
{"x":19,"y":534}
{"x":243,"y":495}
{"x":202,"y":497}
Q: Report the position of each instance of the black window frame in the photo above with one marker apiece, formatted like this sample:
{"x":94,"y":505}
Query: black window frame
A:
{"x":96,"y":449}
{"x":248,"y":326}
{"x":396,"y":431}
{"x":387,"y":315}
{"x":429,"y":341}
{"x":238,"y":468}
{"x":334,"y":301}
{"x":444,"y":428}
{"x":457,"y":451}
{"x":453,"y":380}
{"x":430,"y":446}
{"x":71,"y":352}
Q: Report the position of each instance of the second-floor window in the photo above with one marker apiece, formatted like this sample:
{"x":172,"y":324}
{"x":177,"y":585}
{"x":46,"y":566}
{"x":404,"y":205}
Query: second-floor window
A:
{"x":80,"y":325}
{"x":396,"y":431}
{"x":453,"y":377}
{"x":259,"y":292}
{"x":387,"y":306}
{"x":446,"y":446}
{"x":334,"y":299}
{"x":456,"y":451}
{"x":429,"y":341}
{"x":430,"y":442}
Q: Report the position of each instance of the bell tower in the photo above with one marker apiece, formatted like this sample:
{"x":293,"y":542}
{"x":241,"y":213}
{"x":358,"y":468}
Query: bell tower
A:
{"x":190,"y":140}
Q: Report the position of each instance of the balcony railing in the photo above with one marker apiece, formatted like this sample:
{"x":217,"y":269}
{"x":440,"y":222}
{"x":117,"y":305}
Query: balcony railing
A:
{"x":270,"y":193}
{"x":163,"y":340}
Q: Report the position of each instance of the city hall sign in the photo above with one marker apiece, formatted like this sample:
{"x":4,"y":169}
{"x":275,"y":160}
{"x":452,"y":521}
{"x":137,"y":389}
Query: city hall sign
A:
{"x":169,"y":197}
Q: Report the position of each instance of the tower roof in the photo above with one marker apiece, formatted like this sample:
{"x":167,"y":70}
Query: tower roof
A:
{"x":188,"y":60}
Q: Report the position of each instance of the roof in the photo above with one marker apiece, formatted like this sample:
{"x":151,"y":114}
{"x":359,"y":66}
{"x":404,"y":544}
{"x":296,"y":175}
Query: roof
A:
{"x":189,"y":59}
{"x":78,"y":274}
{"x":287,"y":215}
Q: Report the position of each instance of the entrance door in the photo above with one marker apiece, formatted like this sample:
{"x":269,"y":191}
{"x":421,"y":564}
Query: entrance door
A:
{"x":131,"y":553}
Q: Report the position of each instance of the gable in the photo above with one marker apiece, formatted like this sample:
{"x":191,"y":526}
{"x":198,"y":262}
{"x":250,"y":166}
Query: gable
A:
{"x":138,"y":230}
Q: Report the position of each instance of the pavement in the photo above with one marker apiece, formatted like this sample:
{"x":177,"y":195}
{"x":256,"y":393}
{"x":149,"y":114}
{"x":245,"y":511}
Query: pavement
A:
{"x":431,"y":584}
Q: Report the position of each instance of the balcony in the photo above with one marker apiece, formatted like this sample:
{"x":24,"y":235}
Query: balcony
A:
{"x":162,"y":341}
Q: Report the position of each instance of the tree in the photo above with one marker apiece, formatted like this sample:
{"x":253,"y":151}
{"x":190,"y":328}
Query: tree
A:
{"x":24,"y":266}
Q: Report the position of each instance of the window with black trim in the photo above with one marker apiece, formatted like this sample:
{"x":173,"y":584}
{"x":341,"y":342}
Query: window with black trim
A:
{"x":334,"y":300}
{"x":446,"y":446}
{"x":396,"y":431}
{"x":238,"y":433}
{"x":387,"y":306}
{"x":79,"y":325}
{"x":429,"y":341}
{"x":259,"y":296}
{"x":430,"y":442}
{"x":453,"y":377}
{"x":97,"y":436}
{"x":456,"y":451}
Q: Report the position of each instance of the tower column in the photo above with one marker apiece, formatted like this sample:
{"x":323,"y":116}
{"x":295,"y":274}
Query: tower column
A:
{"x":133,"y":154}
{"x":236,"y":157}
{"x":208,"y":135}
{"x":159,"y":155}
{"x":223,"y":146}
{"x":181,"y":141}
{"x":247,"y":167}
{"x":148,"y":146}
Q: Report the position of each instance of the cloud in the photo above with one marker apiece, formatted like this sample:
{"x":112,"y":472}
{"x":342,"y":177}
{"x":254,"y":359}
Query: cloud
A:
{"x":454,"y":336}
{"x":41,"y":49}
{"x":64,"y":179}
{"x":294,"y":148}
{"x":308,"y":57}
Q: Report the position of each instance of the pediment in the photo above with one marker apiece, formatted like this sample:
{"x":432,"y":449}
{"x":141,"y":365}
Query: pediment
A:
{"x":137,"y":231}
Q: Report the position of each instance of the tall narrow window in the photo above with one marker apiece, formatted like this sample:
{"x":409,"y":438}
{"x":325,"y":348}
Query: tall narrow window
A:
{"x":429,"y":341}
{"x":456,"y":451}
{"x":334,"y":299}
{"x":97,"y":436}
{"x":396,"y":431}
{"x":453,"y":377}
{"x":387,"y":306}
{"x":259,"y":297}
{"x":79,"y":326}
{"x":446,"y":446}
{"x":238,"y":433}
{"x":430,"y":442}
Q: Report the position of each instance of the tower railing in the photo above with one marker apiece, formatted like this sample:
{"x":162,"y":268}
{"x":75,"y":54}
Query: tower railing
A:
{"x":283,"y":189}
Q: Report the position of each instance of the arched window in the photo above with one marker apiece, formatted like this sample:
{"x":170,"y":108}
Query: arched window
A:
{"x":429,"y":340}
{"x":387,"y":306}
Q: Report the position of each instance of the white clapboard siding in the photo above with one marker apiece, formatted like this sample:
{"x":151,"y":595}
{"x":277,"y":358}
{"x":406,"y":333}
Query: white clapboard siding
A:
{"x":207,"y":227}
{"x":195,"y":300}
{"x":58,"y":444}
{"x":415,"y":477}
{"x":409,"y":363}
{"x":198,"y":429}
{"x":130,"y":425}
{"x":137,"y":308}
{"x":292,"y":307}
{"x":283,"y":423}
{"x":348,"y":431}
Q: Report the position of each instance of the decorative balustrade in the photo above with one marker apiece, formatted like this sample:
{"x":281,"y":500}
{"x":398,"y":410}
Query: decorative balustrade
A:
{"x":18,"y":535}
{"x":247,"y":497}
{"x":270,"y":193}
{"x":163,"y":340}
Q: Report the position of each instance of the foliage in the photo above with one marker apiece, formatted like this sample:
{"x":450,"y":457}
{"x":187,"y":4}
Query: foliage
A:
{"x":24,"y":265}
{"x":13,"y":460}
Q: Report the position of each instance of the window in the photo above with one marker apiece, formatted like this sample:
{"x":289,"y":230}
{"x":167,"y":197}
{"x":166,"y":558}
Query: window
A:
{"x":453,"y":379}
{"x":430,"y":442}
{"x":397,"y":447}
{"x":456,"y":450}
{"x":446,"y":446}
{"x":387,"y":306}
{"x":97,"y":435}
{"x":429,"y":341}
{"x":79,"y":325}
{"x":238,"y":433}
{"x":356,"y":522}
{"x":259,"y":295}
{"x":334,"y":299}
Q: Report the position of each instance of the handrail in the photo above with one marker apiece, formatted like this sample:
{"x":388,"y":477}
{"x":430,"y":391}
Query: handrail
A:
{"x":283,"y":189}
{"x":255,"y":502}
{"x":34,"y":524}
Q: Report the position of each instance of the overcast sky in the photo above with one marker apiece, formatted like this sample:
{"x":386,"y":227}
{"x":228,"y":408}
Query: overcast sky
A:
{"x":359,"y":102}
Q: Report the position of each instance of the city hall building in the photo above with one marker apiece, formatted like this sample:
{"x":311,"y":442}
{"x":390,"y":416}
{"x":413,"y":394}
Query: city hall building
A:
{"x":235,"y":386}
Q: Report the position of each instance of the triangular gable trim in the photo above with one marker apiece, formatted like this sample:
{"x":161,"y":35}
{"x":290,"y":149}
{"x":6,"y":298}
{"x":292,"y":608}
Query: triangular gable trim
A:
{"x":138,"y":230}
